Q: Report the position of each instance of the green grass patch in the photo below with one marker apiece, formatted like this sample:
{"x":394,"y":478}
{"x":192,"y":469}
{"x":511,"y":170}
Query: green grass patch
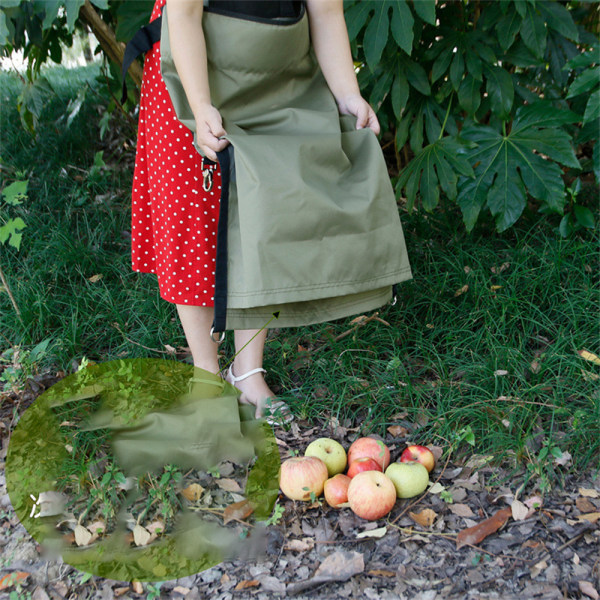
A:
{"x":486,"y":336}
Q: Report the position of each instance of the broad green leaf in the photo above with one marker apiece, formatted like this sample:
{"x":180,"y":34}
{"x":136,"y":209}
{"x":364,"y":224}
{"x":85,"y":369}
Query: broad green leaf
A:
{"x":500,"y":90}
{"x":554,"y":143}
{"x":381,"y":89}
{"x":584,"y":216}
{"x":474,"y":65}
{"x":507,"y":28}
{"x":356,"y":17}
{"x":15,"y":193}
{"x":533,"y":31}
{"x":416,"y":133}
{"x":4,"y":32}
{"x":457,"y":68}
{"x":402,"y":25}
{"x":469,"y":96}
{"x":376,"y":34}
{"x":402,"y":130}
{"x":51,"y":7}
{"x":596,"y":162}
{"x":472,"y":196}
{"x":417,"y":77}
{"x":542,"y":178}
{"x":585,"y":59}
{"x":426,"y":10}
{"x":131,"y":16}
{"x":103,"y":4}
{"x":542,"y":114}
{"x":441,"y":64}
{"x":433,"y":127}
{"x":9,"y":3}
{"x":559,"y":18}
{"x":585,"y":82}
{"x":9,"y":232}
{"x":72,"y":7}
{"x":520,"y":7}
{"x":399,"y":94}
{"x":506,"y":198}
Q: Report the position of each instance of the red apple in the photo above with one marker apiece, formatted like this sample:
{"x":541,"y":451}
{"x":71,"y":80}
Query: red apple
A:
{"x":363,"y":464}
{"x":336,"y":490}
{"x":420,"y":454}
{"x":371,"y":448}
{"x":371,"y":495}
{"x":301,"y":475}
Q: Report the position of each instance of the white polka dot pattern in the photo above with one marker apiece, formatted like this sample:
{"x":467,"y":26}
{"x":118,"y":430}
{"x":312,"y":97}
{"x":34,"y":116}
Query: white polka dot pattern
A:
{"x":173,"y":220}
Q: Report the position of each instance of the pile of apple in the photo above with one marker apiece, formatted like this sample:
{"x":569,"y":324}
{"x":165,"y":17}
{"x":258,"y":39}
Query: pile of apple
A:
{"x":371,"y":484}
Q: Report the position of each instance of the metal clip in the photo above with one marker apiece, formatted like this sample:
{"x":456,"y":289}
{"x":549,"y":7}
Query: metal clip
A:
{"x":212,"y":337}
{"x":207,"y":180}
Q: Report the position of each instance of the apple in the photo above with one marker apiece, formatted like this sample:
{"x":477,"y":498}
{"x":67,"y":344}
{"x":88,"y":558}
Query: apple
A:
{"x":336,"y":490}
{"x":301,"y":475}
{"x":332,"y":453}
{"x":371,"y":448}
{"x":420,"y":454}
{"x":371,"y":495}
{"x":409,"y":478}
{"x":363,"y":464}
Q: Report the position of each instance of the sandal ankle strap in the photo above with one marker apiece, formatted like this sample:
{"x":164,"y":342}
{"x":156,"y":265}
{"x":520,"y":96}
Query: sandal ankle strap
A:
{"x":234,"y":378}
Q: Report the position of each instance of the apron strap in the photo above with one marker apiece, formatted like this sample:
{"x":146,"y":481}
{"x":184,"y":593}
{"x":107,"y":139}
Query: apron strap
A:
{"x":225,"y":161}
{"x":140,"y":43}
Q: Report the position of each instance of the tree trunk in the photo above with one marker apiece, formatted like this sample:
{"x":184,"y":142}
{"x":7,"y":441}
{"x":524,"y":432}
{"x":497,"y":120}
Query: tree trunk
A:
{"x":106,"y":37}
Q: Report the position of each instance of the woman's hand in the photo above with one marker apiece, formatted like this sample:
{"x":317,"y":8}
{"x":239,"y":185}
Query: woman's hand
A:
{"x":355,"y":104}
{"x":209,"y":128}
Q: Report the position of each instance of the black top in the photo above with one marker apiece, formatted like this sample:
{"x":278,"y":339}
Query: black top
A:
{"x":264,"y":9}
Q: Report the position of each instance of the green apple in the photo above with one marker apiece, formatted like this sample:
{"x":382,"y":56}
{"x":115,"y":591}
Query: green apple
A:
{"x":332,"y":453}
{"x":409,"y":478}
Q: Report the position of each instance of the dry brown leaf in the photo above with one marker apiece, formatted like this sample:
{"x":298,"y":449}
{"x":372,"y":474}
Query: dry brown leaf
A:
{"x":179,"y":589}
{"x":519,"y":511}
{"x":462,"y":290}
{"x":584,"y":505}
{"x":170,"y":349}
{"x":300,"y":545}
{"x":461,"y":510}
{"x":141,"y":536}
{"x":96,"y":528}
{"x":248,"y":583}
{"x":82,"y":535}
{"x":474,"y":535}
{"x":535,"y":366}
{"x":589,"y":493}
{"x":120,"y":591}
{"x":381,"y":573}
{"x":13,"y":578}
{"x":372,"y":533}
{"x":156,"y":525}
{"x":95,"y":278}
{"x":192,"y":492}
{"x":397,"y":431}
{"x":587,"y":588}
{"x":538,"y":568}
{"x":501,"y":268}
{"x":137,"y":586}
{"x":425,"y":518}
{"x":493,"y":288}
{"x":340,"y":565}
{"x":238,"y":510}
{"x":589,"y":376}
{"x":589,"y":356}
{"x":591,"y":517}
{"x":225,"y":578}
{"x":534,"y":502}
{"x":229,"y":485}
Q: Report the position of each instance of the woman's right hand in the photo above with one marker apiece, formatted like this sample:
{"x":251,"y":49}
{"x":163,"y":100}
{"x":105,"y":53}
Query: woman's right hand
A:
{"x":209,"y":128}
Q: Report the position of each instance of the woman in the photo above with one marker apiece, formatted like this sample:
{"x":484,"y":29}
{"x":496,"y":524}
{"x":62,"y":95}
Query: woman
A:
{"x":174,"y":219}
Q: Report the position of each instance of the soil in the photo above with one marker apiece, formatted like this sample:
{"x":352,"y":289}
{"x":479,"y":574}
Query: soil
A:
{"x":476,"y":541}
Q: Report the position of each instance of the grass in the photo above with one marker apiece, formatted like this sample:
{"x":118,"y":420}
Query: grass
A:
{"x":499,"y":359}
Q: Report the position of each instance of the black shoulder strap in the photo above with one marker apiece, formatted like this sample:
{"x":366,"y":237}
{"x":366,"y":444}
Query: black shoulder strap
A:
{"x":140,"y":43}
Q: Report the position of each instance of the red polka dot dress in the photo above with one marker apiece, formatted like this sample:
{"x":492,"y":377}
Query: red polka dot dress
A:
{"x":173,"y":220}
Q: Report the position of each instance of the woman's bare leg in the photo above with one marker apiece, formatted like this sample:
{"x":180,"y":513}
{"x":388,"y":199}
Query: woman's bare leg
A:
{"x":196,"y":322}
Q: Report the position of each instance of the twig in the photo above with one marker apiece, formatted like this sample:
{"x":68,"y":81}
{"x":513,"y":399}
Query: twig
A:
{"x":12,"y":299}
{"x":116,"y":326}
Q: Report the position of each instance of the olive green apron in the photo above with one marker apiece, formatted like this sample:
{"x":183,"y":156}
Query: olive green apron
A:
{"x":313,"y":231}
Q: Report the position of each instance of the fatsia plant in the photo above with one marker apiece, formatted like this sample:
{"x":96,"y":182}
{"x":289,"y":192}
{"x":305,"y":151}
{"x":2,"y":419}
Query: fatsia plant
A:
{"x":477,"y":97}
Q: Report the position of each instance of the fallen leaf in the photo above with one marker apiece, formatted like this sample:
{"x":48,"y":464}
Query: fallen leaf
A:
{"x":587,"y":588}
{"x":493,"y":288}
{"x":534,"y":502}
{"x":359,"y":319}
{"x":591,"y":517}
{"x":82,"y":535}
{"x":229,"y":485}
{"x":462,"y":290}
{"x":300,"y":545}
{"x":137,"y":586}
{"x":95,"y":278}
{"x":397,"y":431}
{"x":462,"y":510}
{"x":381,"y":573}
{"x":249,"y":583}
{"x":96,"y":528}
{"x":155,"y":526}
{"x":192,"y":492}
{"x":474,"y":535}
{"x":340,"y":566}
{"x":120,"y":591}
{"x":425,"y":518}
{"x":584,"y":505}
{"x":170,"y":349}
{"x":500,"y":372}
{"x":564,"y":459}
{"x":141,"y":536}
{"x":13,"y":578}
{"x":374,"y":533}
{"x":535,"y":366}
{"x":501,"y":268}
{"x":519,"y":511}
{"x":239,"y":510}
{"x":436,"y":488}
{"x":589,"y":376}
{"x":538,"y":568}
{"x":589,"y":356}
{"x":590,"y":493}
{"x":179,"y":589}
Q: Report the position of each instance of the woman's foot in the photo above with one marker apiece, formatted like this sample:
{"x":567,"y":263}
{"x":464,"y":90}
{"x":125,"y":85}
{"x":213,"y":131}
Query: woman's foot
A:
{"x":255,"y":391}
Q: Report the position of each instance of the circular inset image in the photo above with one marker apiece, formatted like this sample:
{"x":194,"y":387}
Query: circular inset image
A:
{"x":143,"y":469}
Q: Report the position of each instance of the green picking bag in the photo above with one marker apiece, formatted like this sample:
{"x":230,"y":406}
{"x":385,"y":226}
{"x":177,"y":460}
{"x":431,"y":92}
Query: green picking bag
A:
{"x":312,"y":226}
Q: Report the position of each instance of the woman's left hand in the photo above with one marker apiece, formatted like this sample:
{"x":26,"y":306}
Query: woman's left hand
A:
{"x":356,"y":105}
